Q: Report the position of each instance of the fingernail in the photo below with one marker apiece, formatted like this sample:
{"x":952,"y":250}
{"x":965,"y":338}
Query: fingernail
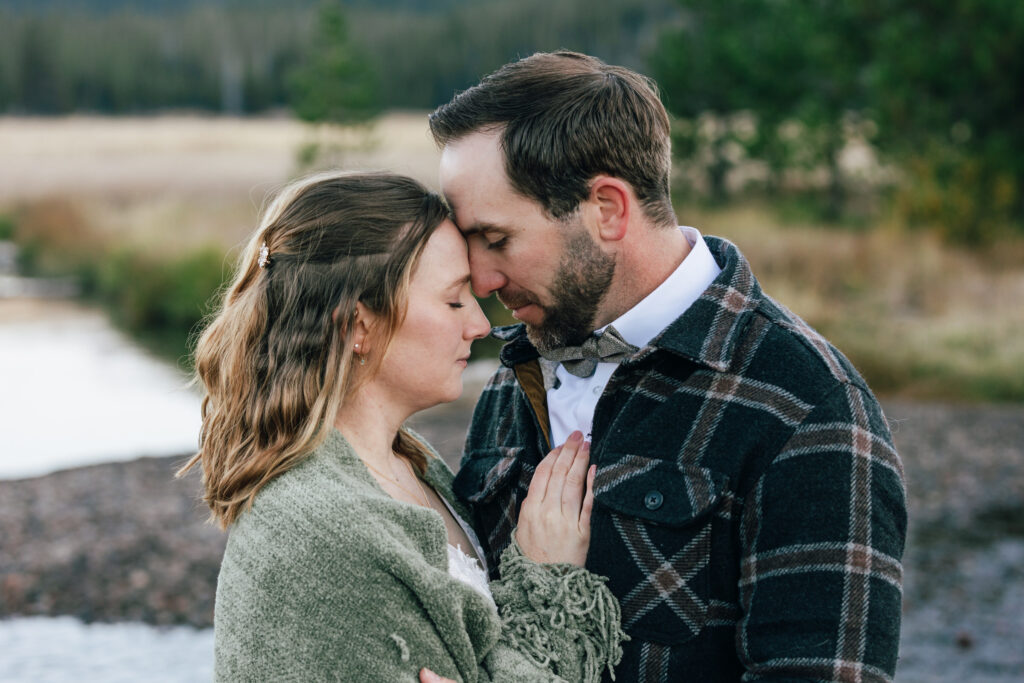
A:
{"x":576,"y":436}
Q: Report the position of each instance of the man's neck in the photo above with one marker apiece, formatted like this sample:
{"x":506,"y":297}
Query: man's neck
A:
{"x":650,"y":259}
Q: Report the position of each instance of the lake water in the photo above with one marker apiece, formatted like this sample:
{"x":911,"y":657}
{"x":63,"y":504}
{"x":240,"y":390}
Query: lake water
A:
{"x":75,"y":391}
{"x":59,"y":649}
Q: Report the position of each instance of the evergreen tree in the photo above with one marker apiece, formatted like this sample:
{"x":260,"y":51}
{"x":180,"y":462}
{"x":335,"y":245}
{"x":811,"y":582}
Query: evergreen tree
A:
{"x":335,"y":83}
{"x":782,"y":60}
{"x":948,"y":89}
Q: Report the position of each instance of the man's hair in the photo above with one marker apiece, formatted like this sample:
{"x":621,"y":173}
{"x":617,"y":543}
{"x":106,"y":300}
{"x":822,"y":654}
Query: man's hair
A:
{"x":565,"y":118}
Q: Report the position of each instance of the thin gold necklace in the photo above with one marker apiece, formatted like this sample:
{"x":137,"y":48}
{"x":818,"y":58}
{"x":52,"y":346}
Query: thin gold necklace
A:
{"x":416,"y":479}
{"x":423,"y":494}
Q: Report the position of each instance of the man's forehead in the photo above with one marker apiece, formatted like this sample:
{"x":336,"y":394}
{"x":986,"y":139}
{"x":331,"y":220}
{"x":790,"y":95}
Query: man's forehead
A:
{"x":471,"y":156}
{"x":472,"y":179}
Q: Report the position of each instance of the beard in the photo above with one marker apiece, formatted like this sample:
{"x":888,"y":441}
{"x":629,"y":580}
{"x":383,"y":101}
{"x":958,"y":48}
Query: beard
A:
{"x":583,"y":277}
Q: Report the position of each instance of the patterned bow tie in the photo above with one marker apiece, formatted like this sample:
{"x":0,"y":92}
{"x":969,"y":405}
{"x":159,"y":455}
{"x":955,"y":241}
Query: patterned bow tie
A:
{"x":582,"y":360}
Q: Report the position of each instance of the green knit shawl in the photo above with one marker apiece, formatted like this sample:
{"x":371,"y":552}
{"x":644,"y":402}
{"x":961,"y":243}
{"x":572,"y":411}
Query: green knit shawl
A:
{"x":328,"y":578}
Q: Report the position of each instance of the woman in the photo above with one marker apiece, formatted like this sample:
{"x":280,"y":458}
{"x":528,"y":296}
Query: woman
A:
{"x":348,"y":557}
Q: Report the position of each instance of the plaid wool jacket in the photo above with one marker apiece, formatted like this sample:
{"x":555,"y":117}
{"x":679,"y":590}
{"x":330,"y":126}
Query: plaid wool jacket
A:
{"x":749,"y":504}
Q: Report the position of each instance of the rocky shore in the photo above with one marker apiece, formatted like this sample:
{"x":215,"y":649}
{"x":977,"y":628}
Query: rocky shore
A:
{"x":128,"y":542}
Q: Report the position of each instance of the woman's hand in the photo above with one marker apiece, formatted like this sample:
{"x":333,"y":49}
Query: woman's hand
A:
{"x":554,"y":520}
{"x":428,"y":676}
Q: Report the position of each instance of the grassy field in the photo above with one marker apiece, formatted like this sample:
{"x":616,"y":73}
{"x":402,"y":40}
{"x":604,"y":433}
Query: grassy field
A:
{"x":171,"y":183}
{"x":919,"y":318}
{"x":150,"y":210}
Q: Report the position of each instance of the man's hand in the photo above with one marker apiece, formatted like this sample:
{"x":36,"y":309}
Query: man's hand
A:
{"x":554,"y":521}
{"x":428,"y":676}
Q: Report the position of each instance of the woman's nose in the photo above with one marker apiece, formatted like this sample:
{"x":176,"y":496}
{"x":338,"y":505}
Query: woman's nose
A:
{"x":479,"y":327}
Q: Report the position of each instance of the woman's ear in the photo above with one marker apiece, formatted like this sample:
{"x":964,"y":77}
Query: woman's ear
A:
{"x":610,"y":198}
{"x":358,"y":337}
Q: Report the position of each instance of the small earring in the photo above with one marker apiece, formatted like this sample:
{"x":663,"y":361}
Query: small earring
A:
{"x":362,"y":360}
{"x":356,"y":347}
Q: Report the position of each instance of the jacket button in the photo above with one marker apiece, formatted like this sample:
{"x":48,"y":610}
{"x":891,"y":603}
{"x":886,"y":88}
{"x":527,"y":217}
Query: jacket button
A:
{"x":653,"y":500}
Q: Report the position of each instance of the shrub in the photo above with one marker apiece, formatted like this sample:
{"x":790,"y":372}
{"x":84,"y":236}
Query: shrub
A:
{"x":6,"y":228}
{"x":157,"y":300}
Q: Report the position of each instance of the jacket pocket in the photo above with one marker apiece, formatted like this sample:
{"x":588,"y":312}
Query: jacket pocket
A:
{"x":652,"y":535}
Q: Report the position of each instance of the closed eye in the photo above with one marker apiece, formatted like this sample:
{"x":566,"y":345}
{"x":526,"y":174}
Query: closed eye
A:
{"x":498,"y":244}
{"x":458,"y":292}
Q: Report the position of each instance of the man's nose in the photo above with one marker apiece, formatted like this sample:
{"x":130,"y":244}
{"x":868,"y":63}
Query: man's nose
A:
{"x":484,"y":277}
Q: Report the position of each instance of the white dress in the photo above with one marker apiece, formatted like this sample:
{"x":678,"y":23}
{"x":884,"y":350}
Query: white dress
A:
{"x":463,"y":566}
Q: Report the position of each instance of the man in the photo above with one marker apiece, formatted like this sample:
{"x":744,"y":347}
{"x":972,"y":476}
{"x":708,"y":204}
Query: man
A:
{"x":749,"y":509}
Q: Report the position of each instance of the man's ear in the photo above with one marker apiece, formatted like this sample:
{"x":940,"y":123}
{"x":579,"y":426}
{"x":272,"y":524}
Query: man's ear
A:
{"x":610,"y":199}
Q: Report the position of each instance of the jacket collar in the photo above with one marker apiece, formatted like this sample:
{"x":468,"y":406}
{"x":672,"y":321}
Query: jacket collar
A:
{"x":517,"y":348}
{"x":706,"y":333}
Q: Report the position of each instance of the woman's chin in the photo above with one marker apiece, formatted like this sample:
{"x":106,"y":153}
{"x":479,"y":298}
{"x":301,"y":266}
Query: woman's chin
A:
{"x":454,"y":394}
{"x":451,"y":394}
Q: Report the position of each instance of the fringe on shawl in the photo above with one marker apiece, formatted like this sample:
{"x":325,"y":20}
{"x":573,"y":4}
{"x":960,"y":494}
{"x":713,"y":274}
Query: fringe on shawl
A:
{"x":551,"y":609}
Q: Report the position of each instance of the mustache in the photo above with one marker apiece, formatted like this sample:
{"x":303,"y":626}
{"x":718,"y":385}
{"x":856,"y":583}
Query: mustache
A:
{"x":516,"y":299}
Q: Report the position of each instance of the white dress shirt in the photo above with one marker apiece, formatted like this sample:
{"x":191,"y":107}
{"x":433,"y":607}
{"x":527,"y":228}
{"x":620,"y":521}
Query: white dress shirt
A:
{"x":572,"y":399}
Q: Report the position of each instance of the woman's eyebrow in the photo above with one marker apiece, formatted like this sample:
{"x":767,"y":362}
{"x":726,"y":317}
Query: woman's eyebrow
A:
{"x":458,"y":283}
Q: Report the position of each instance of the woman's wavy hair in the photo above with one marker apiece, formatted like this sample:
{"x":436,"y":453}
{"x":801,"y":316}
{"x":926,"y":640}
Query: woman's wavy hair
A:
{"x":274,"y":359}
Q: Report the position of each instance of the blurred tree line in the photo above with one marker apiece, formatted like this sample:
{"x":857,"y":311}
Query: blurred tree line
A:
{"x":936,"y":88}
{"x":769,"y":95}
{"x":116,"y":56}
